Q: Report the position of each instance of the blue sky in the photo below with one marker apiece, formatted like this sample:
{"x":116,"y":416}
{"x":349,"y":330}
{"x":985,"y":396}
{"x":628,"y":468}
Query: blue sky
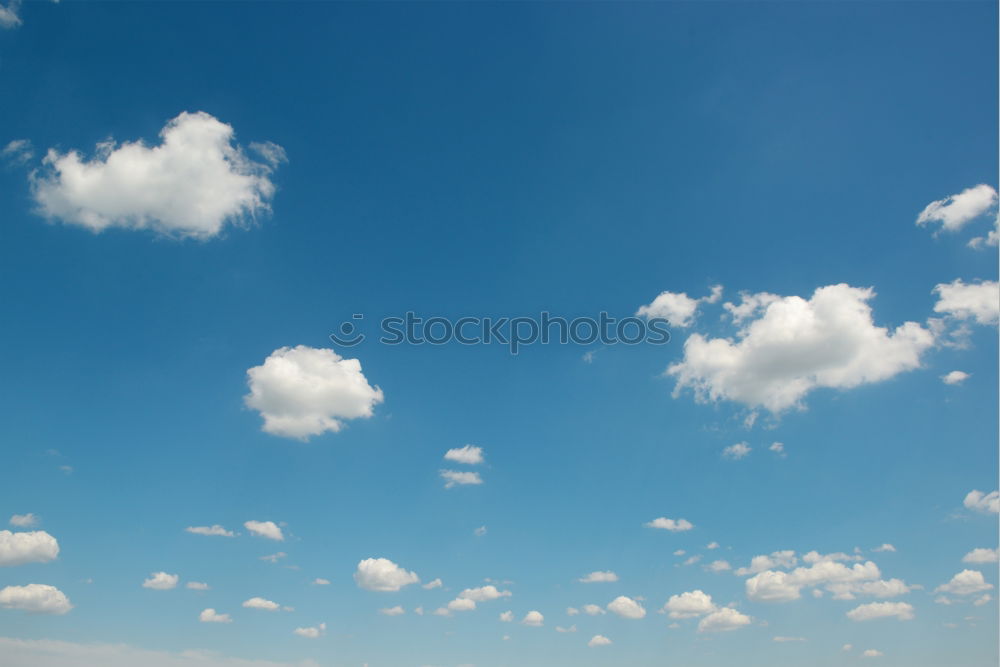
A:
{"x":277,"y":168}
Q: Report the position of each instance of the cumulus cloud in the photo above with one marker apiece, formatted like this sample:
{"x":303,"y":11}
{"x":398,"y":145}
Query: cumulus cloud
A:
{"x":980,"y":555}
{"x":392,"y":611}
{"x":723,"y":620}
{"x":673,"y":526}
{"x":798,"y":345}
{"x":461,"y":604}
{"x":456,"y":478}
{"x":598,"y":640}
{"x":469,"y":455}
{"x":677,"y":307}
{"x":778,"y":586}
{"x":18,"y":151}
{"x":305,"y":391}
{"x":593,"y":610}
{"x":777,"y":559}
{"x":161,"y":581}
{"x":689,"y":605}
{"x":718,"y":566}
{"x":874,"y":610}
{"x":261,"y":603}
{"x":736,"y":452}
{"x":26,"y":547}
{"x":381,"y":574}
{"x":314,"y":632}
{"x":983,"y":502}
{"x":533,"y":619}
{"x":979,"y":301}
{"x":483,"y":593}
{"x":599,"y":577}
{"x":209,"y":615}
{"x":266,"y":529}
{"x":214,"y":530}
{"x":192,"y":184}
{"x":35,"y":599}
{"x":955,"y":211}
{"x":24,"y":520}
{"x":626,"y":607}
{"x":965,"y":582}
{"x":955,"y":377}
{"x":436,"y":583}
{"x":507,"y":617}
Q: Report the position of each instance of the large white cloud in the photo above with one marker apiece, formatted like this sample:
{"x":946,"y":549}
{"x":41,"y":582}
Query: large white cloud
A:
{"x":689,"y":604}
{"x":983,"y":502}
{"x":35,"y":546}
{"x":533,"y":619}
{"x":304,"y":391}
{"x":191,"y":185}
{"x":626,"y":607}
{"x":381,"y":574}
{"x":777,"y":586}
{"x":981,"y":555}
{"x":965,"y":582}
{"x":53,"y":653}
{"x":973,"y":301}
{"x":873,"y":610}
{"x":955,"y":211}
{"x":722,"y":620}
{"x":797,"y":345}
{"x":35,"y":598}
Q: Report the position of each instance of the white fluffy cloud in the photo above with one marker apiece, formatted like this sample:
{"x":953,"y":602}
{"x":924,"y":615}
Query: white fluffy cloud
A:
{"x":722,"y":620}
{"x":777,"y":586}
{"x":689,"y":605}
{"x":983,"y":502}
{"x":191,"y":185}
{"x":507,"y":617}
{"x":23,"y":520}
{"x":673,"y":526}
{"x":718,"y":566}
{"x":436,"y":583}
{"x":209,"y":615}
{"x":593,"y":610}
{"x":965,"y":582}
{"x":533,"y":619}
{"x":461,"y":604}
{"x":677,"y":307}
{"x":978,"y":301}
{"x":955,"y":211}
{"x":955,"y":377}
{"x":980,"y":555}
{"x":484,"y":593}
{"x":314,"y":632}
{"x":261,"y":603}
{"x":35,"y":546}
{"x":599,"y":577}
{"x":873,"y":610}
{"x":381,"y":574}
{"x":469,"y":455}
{"x":626,"y":607}
{"x":266,"y":529}
{"x":777,"y":559}
{"x":798,"y":345}
{"x":460,"y":478}
{"x":598,"y":640}
{"x":161,"y":581}
{"x":214,"y":530}
{"x":305,"y":391}
{"x":35,"y":599}
{"x":736,"y":452}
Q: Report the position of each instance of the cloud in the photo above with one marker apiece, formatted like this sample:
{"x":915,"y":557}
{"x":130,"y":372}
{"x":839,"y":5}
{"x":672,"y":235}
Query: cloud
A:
{"x":320,"y":581}
{"x":209,"y":615}
{"x":598,"y":640}
{"x":10,"y":14}
{"x":677,"y":307}
{"x":979,"y":301}
{"x":872,"y":653}
{"x":274,"y":558}
{"x":24,"y":520}
{"x":53,"y":653}
{"x":599,"y":577}
{"x":965,"y":582}
{"x":457,"y":478}
{"x":673,"y":526}
{"x":305,"y":391}
{"x":533,"y":619}
{"x":689,"y":605}
{"x":462,"y":604}
{"x":261,"y":603}
{"x":955,"y":377}
{"x":312,"y":632}
{"x":436,"y":583}
{"x":783,"y":640}
{"x":18,"y":151}
{"x":469,"y":455}
{"x":626,"y":607}
{"x":191,"y":185}
{"x":777,"y":559}
{"x":484,"y":593}
{"x":777,"y":586}
{"x":593,"y":610}
{"x":507,"y":617}
{"x":723,"y":620}
{"x":983,"y":502}
{"x":796,"y":346}
{"x":873,"y":610}
{"x":267,"y":529}
{"x":214,"y":530}
{"x":381,"y":574}
{"x":953,"y":212}
{"x":980,"y":555}
{"x":736,"y":452}
{"x":392,"y":611}
{"x":479,"y":532}
{"x":35,"y":599}
{"x":885,"y":548}
{"x":778,"y":448}
{"x":161,"y":581}
{"x":35,"y":546}
{"x":718,"y":566}
{"x":196,"y":586}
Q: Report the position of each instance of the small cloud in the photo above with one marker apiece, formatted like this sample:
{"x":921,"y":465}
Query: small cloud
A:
{"x":319,"y":581}
{"x":507,"y":617}
{"x":266,"y":529}
{"x":988,"y":503}
{"x":593,"y":610}
{"x":885,"y":548}
{"x":215,"y":530}
{"x":598,"y":640}
{"x":262,"y":604}
{"x":436,"y":583}
{"x":736,"y":452}
{"x":196,"y":586}
{"x":954,"y":211}
{"x":274,"y":558}
{"x":571,"y":628}
{"x":161,"y":581}
{"x":469,"y":455}
{"x":955,"y":377}
{"x":211,"y":616}
{"x":458,"y":478}
{"x":312,"y":632}
{"x":66,"y":469}
{"x":381,"y":574}
{"x":712,"y":545}
{"x":599,"y":577}
{"x":778,"y":448}
{"x":479,"y":532}
{"x":673,"y":526}
{"x":19,"y":151}
{"x":24,"y":520}
{"x":718,"y":566}
{"x":533,"y":619}
{"x":626,"y":607}
{"x":392,"y":611}
{"x":980,"y":556}
{"x":872,"y":653}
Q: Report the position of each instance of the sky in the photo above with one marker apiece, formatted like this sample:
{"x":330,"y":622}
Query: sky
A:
{"x":197,"y":195}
